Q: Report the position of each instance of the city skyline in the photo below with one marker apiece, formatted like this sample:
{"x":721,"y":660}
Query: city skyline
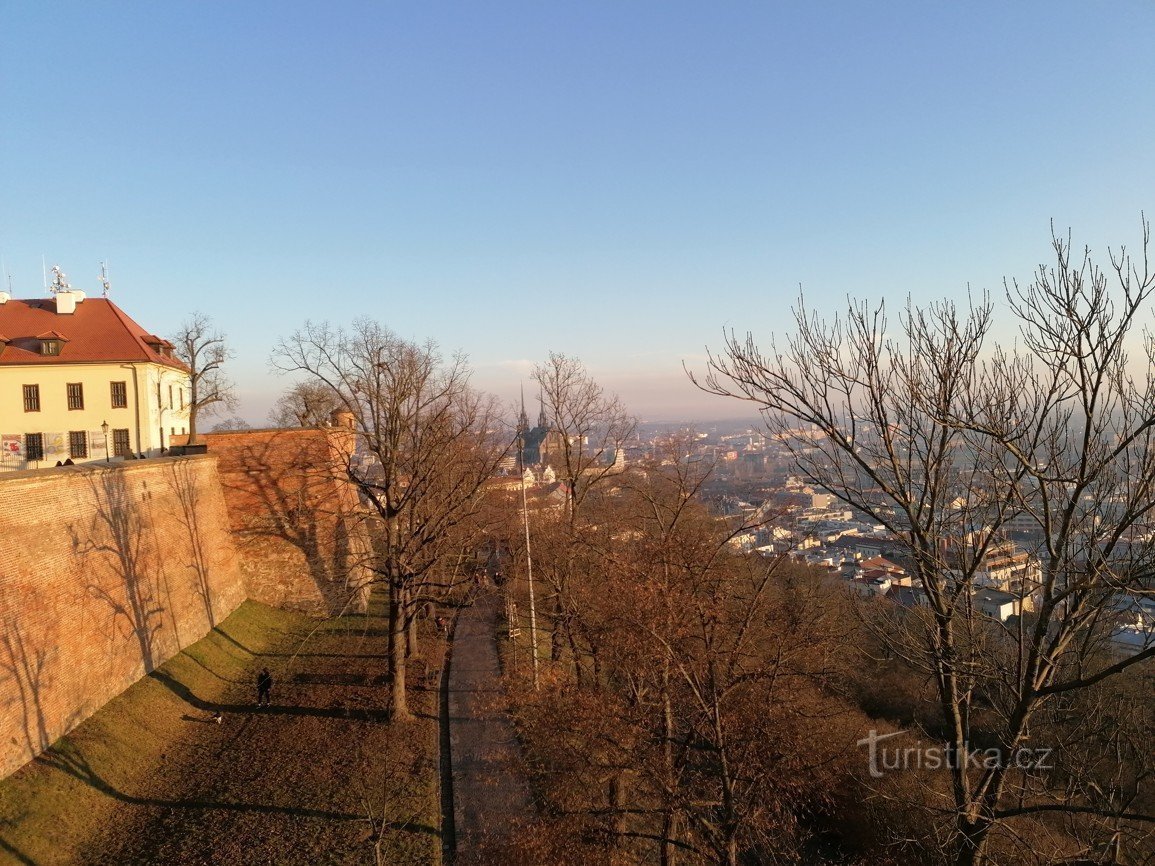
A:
{"x":618,"y":184}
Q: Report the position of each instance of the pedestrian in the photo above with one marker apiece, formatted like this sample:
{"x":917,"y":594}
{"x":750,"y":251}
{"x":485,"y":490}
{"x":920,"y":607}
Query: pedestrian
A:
{"x":264,"y":687}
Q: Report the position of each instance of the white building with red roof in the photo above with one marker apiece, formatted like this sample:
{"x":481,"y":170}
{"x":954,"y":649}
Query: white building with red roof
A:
{"x":81,"y":381}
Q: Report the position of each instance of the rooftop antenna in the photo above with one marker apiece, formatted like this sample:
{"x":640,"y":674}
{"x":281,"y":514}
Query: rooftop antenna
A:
{"x":44,"y":271}
{"x":59,"y":280}
{"x":104,"y":278}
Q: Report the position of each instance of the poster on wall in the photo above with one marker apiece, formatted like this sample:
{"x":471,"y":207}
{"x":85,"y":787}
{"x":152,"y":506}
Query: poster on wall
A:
{"x":96,"y":444}
{"x":54,"y":447}
{"x":12,"y":445}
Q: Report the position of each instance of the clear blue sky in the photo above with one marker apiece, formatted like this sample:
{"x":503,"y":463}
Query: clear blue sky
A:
{"x":617,"y":181}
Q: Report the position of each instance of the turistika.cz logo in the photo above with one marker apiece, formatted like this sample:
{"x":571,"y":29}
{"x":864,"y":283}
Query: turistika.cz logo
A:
{"x":884,"y":759}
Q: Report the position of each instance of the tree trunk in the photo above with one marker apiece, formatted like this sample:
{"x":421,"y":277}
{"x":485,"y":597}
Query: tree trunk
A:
{"x":619,"y":792}
{"x":398,"y":644}
{"x":557,"y":632}
{"x":410,"y":619}
{"x":669,"y":855}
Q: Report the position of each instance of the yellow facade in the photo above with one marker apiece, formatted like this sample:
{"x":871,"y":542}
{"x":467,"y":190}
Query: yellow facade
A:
{"x":156,"y":400}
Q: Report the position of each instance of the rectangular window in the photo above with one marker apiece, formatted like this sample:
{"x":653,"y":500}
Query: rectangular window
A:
{"x":75,"y":395}
{"x":159,"y":405}
{"x":181,"y":393}
{"x":33,"y":446}
{"x":170,"y":396}
{"x":120,"y":442}
{"x":31,"y":398}
{"x":77,"y":443}
{"x":119,"y":395}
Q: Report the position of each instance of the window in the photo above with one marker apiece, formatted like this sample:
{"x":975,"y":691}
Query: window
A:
{"x":119,"y":395}
{"x":170,"y":396}
{"x":75,"y":395}
{"x":77,"y":443}
{"x":120,"y":442}
{"x":31,"y":398}
{"x":50,"y":347}
{"x":33,"y":446}
{"x":181,"y":393}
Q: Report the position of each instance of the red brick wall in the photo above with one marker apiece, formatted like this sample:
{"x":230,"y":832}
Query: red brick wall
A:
{"x":301,"y":536}
{"x":105,"y":573}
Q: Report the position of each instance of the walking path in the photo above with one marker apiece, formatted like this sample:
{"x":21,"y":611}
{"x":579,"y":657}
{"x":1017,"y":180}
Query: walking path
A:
{"x":490,"y":793}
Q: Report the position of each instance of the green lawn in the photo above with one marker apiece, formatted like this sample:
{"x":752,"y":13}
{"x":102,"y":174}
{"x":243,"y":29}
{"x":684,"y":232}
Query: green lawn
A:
{"x":150,"y":779}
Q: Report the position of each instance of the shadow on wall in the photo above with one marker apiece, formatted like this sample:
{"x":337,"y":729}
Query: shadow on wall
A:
{"x":118,"y":566}
{"x":187,"y":493}
{"x":286,"y":488}
{"x":26,"y":666}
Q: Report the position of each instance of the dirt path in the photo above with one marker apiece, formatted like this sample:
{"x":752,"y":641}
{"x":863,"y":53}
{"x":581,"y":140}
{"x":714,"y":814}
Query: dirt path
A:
{"x":490,"y":793}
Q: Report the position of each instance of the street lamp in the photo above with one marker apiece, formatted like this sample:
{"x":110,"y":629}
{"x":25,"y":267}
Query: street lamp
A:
{"x":104,"y":430}
{"x":528,"y":556}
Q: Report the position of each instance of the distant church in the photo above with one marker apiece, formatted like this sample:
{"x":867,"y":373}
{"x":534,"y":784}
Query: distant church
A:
{"x":542,"y":445}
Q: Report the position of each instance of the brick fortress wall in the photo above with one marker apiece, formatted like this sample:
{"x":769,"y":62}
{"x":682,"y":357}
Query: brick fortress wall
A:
{"x":105,"y":573}
{"x":302,"y":538}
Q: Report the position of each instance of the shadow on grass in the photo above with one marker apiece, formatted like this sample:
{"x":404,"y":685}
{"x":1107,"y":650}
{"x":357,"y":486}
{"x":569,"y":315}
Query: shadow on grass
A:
{"x":330,"y":631}
{"x":16,"y":853}
{"x":186,"y":694}
{"x":67,"y":758}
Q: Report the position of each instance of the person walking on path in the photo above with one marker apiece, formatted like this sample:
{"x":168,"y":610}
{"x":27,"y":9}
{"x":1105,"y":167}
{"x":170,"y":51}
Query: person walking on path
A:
{"x":264,"y":687}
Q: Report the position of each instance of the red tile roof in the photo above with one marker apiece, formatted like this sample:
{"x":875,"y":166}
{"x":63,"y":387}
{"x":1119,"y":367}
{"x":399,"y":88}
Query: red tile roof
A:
{"x":98,"y":331}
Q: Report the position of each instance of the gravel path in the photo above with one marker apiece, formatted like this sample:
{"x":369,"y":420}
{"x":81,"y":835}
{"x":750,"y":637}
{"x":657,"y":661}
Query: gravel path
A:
{"x":490,"y":792}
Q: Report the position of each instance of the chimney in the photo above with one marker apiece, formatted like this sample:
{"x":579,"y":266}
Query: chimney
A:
{"x":4,"y":298}
{"x":66,"y":302}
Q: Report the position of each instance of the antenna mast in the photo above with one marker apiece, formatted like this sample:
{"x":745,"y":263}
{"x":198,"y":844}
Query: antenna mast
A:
{"x":104,"y":278}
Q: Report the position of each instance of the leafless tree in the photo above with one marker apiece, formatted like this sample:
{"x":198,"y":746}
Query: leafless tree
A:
{"x":946,"y":439}
{"x":204,"y":351}
{"x":305,"y":404}
{"x":591,"y":424}
{"x":587,"y":427}
{"x":231,"y":423}
{"x":707,"y":735}
{"x":426,"y":442}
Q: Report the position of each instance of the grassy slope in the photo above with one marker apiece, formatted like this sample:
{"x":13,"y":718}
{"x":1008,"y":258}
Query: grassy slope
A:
{"x":149,"y":779}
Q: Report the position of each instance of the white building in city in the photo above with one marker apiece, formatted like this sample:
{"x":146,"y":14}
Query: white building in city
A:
{"x":81,"y":381}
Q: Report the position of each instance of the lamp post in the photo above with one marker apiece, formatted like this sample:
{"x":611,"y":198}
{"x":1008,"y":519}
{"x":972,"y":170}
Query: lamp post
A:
{"x":104,"y":430}
{"x":528,"y":557}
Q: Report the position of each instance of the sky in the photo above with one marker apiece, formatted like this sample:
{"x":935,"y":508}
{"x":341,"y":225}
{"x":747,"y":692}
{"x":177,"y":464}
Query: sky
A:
{"x":619,"y":182}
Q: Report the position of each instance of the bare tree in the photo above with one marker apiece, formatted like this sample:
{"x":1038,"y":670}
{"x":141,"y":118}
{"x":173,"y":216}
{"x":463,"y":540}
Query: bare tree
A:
{"x":203,"y":350}
{"x":305,"y":404}
{"x":591,"y":424}
{"x":426,"y":444}
{"x":231,"y":423}
{"x":708,"y":735}
{"x":586,"y":428}
{"x":950,"y":442}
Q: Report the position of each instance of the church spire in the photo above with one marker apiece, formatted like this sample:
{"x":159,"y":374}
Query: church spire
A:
{"x":541,"y":419}
{"x":522,"y":419}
